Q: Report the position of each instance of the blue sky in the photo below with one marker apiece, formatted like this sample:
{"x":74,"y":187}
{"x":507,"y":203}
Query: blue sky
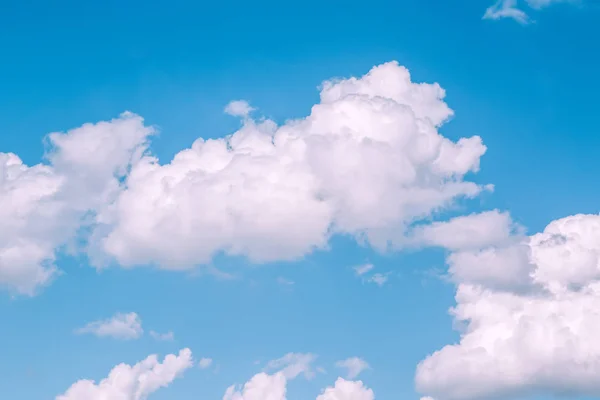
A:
{"x":529,"y":90}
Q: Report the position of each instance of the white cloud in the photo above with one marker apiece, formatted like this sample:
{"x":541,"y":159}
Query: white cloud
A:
{"x":293,"y":364}
{"x":506,"y":9}
{"x":120,"y":326}
{"x":239,"y":108}
{"x":262,"y":386}
{"x":379,"y":279}
{"x":42,"y":207}
{"x":347,"y":390}
{"x":165,"y":337}
{"x":467,"y":232}
{"x":354,"y":366}
{"x":530,"y":316}
{"x":367,"y":162}
{"x":363,"y":269}
{"x":205,"y":362}
{"x":135,"y":382}
{"x":509,"y":9}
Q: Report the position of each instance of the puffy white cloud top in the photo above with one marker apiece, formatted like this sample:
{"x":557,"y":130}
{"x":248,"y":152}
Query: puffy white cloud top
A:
{"x":135,"y":382}
{"x":368,"y":162}
{"x":530,"y":308}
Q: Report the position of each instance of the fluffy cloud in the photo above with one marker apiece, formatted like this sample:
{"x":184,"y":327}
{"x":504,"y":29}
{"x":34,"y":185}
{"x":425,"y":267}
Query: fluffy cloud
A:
{"x":347,"y":390}
{"x":367,"y":162}
{"x":354,"y":366}
{"x":42,"y":207}
{"x":135,"y":382}
{"x":509,"y":9}
{"x":120,"y":326}
{"x":529,"y":309}
{"x":239,"y":108}
{"x":262,"y":386}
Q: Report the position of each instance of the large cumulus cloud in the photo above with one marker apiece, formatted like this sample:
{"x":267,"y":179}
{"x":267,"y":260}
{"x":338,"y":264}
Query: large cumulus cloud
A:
{"x":530,"y":312}
{"x":367,"y":162}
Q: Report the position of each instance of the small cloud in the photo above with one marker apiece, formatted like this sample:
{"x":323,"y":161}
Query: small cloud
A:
{"x":205,"y":362}
{"x":354,"y":366}
{"x":285,"y":282}
{"x":379,"y":279}
{"x":120,"y":326}
{"x":239,"y":108}
{"x":165,"y":337}
{"x":363,"y":269}
{"x":506,"y":9}
{"x":294,"y":364}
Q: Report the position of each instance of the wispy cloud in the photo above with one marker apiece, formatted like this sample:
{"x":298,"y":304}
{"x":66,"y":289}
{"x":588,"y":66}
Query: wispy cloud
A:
{"x":293,"y":364}
{"x":120,"y":326}
{"x":353,"y":365}
{"x":510,"y":9}
{"x":506,"y":9}
{"x":379,"y":278}
{"x":363,"y":269}
{"x":205,"y":362}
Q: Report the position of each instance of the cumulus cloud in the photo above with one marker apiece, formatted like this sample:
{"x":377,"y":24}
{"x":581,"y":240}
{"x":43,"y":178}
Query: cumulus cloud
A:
{"x":528,"y":309}
{"x":354,"y":366}
{"x":509,"y":9}
{"x":347,"y":390}
{"x":44,"y":206}
{"x":263,"y":386}
{"x":120,"y":326}
{"x":367,"y":162}
{"x":135,"y":382}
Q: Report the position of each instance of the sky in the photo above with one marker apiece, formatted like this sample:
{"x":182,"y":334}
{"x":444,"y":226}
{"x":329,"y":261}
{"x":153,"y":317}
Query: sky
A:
{"x":317,"y":200}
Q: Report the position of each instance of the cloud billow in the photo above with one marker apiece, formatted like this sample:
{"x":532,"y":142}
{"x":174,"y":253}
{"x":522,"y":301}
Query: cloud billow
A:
{"x":367,"y":162}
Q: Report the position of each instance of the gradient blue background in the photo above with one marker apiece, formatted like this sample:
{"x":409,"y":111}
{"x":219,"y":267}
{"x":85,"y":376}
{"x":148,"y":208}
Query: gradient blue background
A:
{"x":531,"y":92}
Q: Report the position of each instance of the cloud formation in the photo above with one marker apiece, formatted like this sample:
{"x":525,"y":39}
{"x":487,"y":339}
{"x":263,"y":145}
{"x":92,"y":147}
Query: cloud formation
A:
{"x":528,"y":307}
{"x":509,"y":9}
{"x":354,"y":366}
{"x":368,"y":162}
{"x":205,"y":362}
{"x":263,"y":386}
{"x":293,"y":364}
{"x":120,"y":326}
{"x":347,"y":390}
{"x":135,"y":382}
{"x":43,"y":207}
